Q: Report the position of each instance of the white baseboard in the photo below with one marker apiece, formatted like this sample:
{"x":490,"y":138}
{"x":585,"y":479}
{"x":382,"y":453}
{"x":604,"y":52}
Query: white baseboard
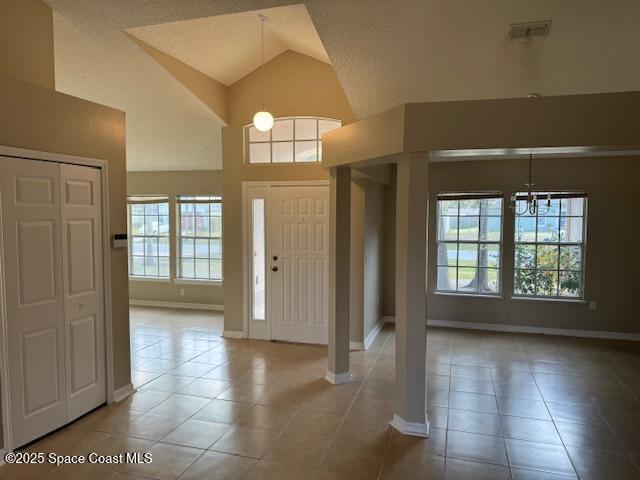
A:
{"x":410,"y":428}
{"x":389,"y":319}
{"x":123,"y":392}
{"x":338,"y":378}
{"x":191,"y":306}
{"x":499,"y":327}
{"x":370,"y":338}
{"x":3,"y":452}
{"x":233,"y":334}
{"x":374,"y":333}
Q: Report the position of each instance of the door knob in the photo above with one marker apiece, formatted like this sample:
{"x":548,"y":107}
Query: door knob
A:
{"x":275,"y":258}
{"x":275,"y":269}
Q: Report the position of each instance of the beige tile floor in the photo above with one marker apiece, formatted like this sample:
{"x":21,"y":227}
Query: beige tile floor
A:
{"x":501,"y":406}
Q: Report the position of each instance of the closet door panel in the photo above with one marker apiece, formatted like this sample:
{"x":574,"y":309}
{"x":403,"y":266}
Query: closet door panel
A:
{"x":83,"y":291}
{"x":31,"y":235}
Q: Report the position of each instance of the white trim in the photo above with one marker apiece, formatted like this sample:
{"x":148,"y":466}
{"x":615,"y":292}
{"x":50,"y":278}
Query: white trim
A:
{"x":389,"y":319}
{"x":233,"y":334}
{"x":360,"y":346}
{"x":186,"y":305}
{"x":338,"y":378}
{"x":286,"y":183}
{"x":134,"y":278}
{"x":7,"y":433}
{"x":374,"y":333}
{"x":548,"y":299}
{"x":194,"y":281}
{"x":3,"y":452}
{"x":103,"y":165}
{"x":123,"y":392}
{"x":410,"y":428}
{"x":500,"y":327}
{"x":469,"y":295}
{"x":246,"y":227}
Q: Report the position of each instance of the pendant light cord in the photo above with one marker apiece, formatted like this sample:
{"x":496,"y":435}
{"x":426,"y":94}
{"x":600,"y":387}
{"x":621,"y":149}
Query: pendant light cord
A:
{"x":262,"y":20}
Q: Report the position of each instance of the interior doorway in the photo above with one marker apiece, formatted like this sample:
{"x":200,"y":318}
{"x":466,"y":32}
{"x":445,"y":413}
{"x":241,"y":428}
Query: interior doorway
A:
{"x":287,"y":260}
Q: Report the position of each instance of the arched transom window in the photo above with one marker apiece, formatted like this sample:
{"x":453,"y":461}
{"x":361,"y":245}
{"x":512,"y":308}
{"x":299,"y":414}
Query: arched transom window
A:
{"x":291,"y":140}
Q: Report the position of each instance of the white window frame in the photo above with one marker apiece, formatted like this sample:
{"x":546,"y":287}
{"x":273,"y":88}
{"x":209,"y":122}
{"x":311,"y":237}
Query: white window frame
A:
{"x":459,"y":196}
{"x":194,"y":200}
{"x":542,"y":200}
{"x":248,"y":142}
{"x":145,"y":200}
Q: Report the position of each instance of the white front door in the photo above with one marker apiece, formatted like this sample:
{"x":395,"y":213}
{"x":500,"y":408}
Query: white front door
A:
{"x":83,"y":292}
{"x":51,"y":232}
{"x":34,"y":299}
{"x":298,"y":263}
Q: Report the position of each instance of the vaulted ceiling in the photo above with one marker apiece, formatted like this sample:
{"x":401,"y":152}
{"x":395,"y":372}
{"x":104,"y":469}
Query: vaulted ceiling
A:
{"x":227,"y":47}
{"x":384,"y":52}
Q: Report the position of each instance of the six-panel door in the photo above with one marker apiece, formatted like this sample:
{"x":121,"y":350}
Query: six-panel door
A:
{"x":298,"y":262}
{"x":51,"y":222}
{"x":83,"y":293}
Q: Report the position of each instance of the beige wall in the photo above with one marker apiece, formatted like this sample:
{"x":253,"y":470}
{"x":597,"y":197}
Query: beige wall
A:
{"x":389,"y":241}
{"x":39,"y":119}
{"x":374,"y":255}
{"x":294,"y":85}
{"x":26,"y":42}
{"x":612,"y":234}
{"x":611,"y":263}
{"x":33,"y":116}
{"x":356,"y":260}
{"x":172,"y":183}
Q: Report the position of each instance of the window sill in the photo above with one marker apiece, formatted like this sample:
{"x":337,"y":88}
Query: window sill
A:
{"x":149,"y":279}
{"x":195,"y":281}
{"x":495,"y":296}
{"x":550,"y":299}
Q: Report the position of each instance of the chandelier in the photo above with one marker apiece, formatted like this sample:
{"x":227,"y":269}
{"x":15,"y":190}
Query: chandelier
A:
{"x":534,"y":202}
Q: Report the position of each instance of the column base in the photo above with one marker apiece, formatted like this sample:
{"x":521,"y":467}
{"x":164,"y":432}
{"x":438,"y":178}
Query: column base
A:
{"x":410,"y":428}
{"x":338,"y":378}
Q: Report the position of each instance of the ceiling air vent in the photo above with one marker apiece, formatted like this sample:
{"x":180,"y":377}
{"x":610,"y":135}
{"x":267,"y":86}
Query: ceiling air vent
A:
{"x":529,"y":29}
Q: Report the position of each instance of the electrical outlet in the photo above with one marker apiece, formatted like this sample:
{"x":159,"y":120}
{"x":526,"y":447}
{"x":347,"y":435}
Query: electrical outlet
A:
{"x":182,"y":292}
{"x":592,"y":305}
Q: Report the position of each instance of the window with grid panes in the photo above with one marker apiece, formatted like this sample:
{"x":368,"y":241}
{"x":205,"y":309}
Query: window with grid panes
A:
{"x":200,"y":237}
{"x":550,"y":246}
{"x":469,"y":243}
{"x":291,"y":140}
{"x":148,"y":218}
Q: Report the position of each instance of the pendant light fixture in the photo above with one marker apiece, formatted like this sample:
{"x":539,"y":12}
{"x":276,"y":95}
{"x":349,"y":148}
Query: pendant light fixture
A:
{"x":532,"y":198}
{"x":262,"y":120}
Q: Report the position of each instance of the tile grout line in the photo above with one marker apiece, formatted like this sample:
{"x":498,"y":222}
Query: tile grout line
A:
{"x":504,"y":441}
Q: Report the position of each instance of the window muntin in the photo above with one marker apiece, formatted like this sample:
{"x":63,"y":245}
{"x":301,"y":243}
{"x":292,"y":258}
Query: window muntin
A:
{"x":291,"y":140}
{"x":199,"y":237}
{"x":148,"y":218}
{"x":550,"y":247}
{"x":469,"y":243}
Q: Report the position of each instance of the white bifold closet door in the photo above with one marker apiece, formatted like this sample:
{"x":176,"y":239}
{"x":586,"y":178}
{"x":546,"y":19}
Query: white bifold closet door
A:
{"x":52,"y":239}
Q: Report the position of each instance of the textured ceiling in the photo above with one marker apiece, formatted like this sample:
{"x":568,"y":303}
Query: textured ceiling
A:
{"x":386,"y":53}
{"x":168,"y":128}
{"x":227,"y":47}
{"x":389,"y":52}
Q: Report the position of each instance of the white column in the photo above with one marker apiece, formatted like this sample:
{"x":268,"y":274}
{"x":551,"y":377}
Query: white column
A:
{"x":339,"y":275}
{"x":411,"y":301}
